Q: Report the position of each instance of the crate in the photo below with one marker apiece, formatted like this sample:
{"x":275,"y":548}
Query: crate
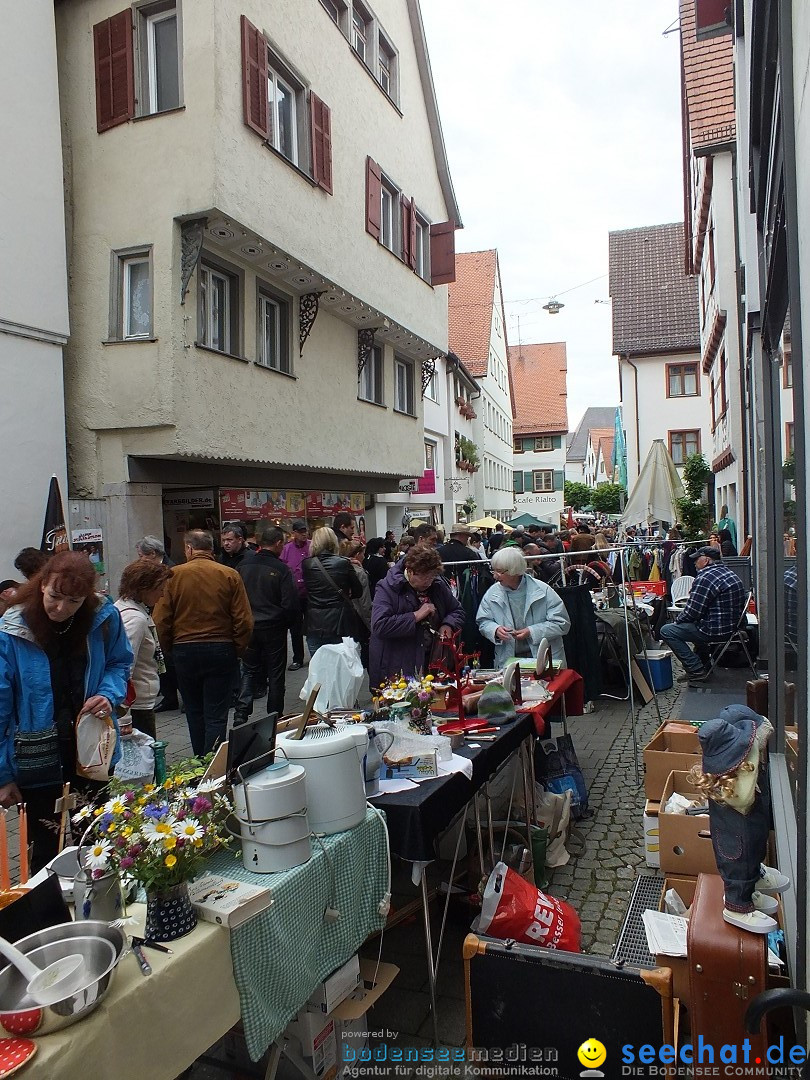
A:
{"x":656,"y":667}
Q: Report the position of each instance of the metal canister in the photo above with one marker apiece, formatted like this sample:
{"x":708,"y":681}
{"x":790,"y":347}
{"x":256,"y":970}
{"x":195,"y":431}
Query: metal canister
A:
{"x":160,"y":761}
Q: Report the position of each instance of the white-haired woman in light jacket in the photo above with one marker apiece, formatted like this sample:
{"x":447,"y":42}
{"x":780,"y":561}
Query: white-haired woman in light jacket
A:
{"x":519,"y":611}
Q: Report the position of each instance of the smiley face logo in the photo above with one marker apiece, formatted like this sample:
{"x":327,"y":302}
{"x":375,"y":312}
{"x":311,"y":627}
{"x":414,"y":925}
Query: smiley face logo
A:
{"x":591,"y":1054}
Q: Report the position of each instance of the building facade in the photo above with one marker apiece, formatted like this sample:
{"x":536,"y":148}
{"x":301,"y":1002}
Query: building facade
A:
{"x":598,"y":417}
{"x":664,"y":392}
{"x":539,"y":376}
{"x":33,"y":280}
{"x":478,"y":337}
{"x":255,"y":319}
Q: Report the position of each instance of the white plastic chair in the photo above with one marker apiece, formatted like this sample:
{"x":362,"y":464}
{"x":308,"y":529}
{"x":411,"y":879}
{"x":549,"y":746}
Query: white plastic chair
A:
{"x":681,"y":587}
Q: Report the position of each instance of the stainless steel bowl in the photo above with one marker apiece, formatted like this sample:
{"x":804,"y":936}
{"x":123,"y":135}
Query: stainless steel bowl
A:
{"x":20,"y":1015}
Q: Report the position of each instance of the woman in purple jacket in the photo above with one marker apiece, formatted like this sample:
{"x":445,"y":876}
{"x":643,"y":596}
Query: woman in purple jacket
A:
{"x":412,"y":604}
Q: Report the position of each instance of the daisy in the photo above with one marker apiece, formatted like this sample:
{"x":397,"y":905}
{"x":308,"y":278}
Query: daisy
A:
{"x":210,"y":785}
{"x":115,"y":806}
{"x":155,"y":831}
{"x":98,"y":855}
{"x":85,"y":812}
{"x":190,"y":829}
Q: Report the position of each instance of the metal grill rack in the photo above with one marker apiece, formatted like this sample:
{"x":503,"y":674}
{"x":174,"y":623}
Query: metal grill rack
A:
{"x":631,"y":946}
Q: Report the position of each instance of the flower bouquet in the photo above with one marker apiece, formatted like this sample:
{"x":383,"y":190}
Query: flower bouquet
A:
{"x":158,"y":836}
{"x":409,"y":700}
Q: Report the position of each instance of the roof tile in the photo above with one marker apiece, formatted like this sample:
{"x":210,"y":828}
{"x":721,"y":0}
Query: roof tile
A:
{"x":539,"y":377}
{"x":708,"y":78}
{"x":470,"y":300}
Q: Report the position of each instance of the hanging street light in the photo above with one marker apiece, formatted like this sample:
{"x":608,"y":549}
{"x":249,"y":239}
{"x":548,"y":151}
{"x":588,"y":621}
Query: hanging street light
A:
{"x":554,"y":306}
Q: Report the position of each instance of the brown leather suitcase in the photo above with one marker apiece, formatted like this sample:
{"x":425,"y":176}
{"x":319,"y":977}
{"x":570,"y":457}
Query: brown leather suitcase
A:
{"x":727,"y":969}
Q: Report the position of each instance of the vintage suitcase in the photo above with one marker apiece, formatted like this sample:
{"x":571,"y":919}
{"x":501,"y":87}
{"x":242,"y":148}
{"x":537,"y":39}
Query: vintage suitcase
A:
{"x":756,"y":698}
{"x":727,"y":969}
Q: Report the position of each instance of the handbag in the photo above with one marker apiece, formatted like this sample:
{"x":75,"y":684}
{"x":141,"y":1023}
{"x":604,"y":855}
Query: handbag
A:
{"x":37,"y":758}
{"x":557,"y":768}
{"x":357,"y":628}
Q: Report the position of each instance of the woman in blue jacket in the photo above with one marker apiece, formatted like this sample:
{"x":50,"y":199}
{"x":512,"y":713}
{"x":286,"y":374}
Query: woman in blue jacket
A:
{"x":63,"y":653}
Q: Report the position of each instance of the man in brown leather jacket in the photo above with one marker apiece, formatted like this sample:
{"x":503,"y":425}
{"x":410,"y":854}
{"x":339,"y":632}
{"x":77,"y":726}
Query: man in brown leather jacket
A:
{"x":204,"y":620}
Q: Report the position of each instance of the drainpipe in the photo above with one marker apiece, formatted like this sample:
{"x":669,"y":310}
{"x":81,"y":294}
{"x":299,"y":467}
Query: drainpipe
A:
{"x":744,"y":415}
{"x":638,"y":427}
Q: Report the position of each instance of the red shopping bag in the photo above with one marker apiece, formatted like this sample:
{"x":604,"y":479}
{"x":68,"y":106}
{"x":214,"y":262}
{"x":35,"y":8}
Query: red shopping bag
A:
{"x":513,"y":908}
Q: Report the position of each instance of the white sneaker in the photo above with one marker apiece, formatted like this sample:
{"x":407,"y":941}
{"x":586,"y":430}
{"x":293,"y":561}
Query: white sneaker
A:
{"x":771,"y":881}
{"x":754,"y":921}
{"x":769,"y":905}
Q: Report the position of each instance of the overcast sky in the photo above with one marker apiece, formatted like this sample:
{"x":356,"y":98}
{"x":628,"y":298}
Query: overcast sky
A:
{"x":562,"y":123}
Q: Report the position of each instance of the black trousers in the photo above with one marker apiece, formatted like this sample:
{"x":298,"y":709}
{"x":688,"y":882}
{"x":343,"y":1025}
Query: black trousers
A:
{"x":205,"y":676}
{"x":43,"y":818}
{"x":266,"y":654}
{"x":297,"y":633}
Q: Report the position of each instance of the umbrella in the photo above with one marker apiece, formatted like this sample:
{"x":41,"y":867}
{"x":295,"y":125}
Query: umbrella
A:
{"x":524,"y":520}
{"x":416,"y":521}
{"x":488,"y":522}
{"x":654,"y":493}
{"x":54,"y":531}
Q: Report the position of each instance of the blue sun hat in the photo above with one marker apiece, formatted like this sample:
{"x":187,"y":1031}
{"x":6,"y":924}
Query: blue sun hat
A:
{"x":727,"y":740}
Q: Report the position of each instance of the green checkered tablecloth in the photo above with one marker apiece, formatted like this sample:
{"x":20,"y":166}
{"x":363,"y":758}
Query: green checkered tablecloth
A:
{"x":282,"y":954}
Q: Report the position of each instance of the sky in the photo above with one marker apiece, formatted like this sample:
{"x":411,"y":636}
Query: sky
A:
{"x":562,"y":123}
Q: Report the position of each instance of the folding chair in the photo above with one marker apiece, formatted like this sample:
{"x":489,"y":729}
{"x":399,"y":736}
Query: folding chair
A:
{"x":738,"y":636}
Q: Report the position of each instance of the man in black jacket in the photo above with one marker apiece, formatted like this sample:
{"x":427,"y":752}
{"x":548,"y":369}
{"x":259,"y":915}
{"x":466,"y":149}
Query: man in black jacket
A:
{"x":274,"y":601}
{"x":234,"y":548}
{"x":456,"y":549}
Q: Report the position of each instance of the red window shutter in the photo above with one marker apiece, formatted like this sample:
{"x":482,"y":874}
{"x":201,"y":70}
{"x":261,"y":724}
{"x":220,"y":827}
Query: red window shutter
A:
{"x":321,"y":125}
{"x":412,"y":241}
{"x":443,"y":253}
{"x":408,"y":253}
{"x":115,"y":70}
{"x":254,"y":79}
{"x":712,"y":18}
{"x":373,"y":198}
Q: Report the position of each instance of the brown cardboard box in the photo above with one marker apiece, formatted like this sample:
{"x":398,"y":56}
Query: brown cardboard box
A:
{"x":652,"y":848}
{"x":685,"y":843}
{"x":674,"y":746}
{"x":685,"y":888}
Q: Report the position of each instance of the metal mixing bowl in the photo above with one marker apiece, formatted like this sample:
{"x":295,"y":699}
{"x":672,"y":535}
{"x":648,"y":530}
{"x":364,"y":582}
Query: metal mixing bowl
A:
{"x":20,"y":1015}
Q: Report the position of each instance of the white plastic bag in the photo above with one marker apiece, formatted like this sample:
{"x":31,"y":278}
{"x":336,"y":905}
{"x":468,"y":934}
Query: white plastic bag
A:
{"x":95,"y":746}
{"x":339,"y":670}
{"x":137,"y":762}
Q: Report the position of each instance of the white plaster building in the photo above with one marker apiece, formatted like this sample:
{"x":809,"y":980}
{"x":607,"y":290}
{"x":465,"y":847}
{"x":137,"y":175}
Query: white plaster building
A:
{"x":33,"y":281}
{"x":598,"y":417}
{"x":656,"y":338}
{"x":539,"y":377}
{"x":261,"y":212}
{"x":478,"y":336}
{"x":597,"y":459}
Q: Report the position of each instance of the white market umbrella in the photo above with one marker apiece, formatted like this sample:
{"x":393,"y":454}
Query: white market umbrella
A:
{"x":654,"y":493}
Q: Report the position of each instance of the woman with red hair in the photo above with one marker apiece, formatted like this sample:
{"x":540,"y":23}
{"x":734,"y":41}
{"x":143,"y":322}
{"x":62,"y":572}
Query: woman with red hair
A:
{"x":63,"y":653}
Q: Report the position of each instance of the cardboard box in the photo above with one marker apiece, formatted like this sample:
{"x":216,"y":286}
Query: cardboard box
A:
{"x":674,"y":747}
{"x":685,"y":888}
{"x":423,"y":765}
{"x":341,"y":983}
{"x":315,"y":1034}
{"x":369,"y":990}
{"x":685,"y":842}
{"x":652,"y":848}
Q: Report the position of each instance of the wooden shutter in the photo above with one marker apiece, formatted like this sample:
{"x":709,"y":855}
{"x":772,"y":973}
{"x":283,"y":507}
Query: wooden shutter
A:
{"x":556,"y":442}
{"x":559,"y":479}
{"x":408,"y":232}
{"x":528,"y":482}
{"x":373,"y":198}
{"x":254,"y":79}
{"x":517,"y":483}
{"x":321,"y":133}
{"x":712,"y":17}
{"x":115,"y":70}
{"x":443,"y":253}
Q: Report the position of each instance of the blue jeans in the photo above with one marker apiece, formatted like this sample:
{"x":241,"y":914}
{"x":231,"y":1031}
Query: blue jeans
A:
{"x":314,"y":642}
{"x":678,"y":635}
{"x":740,"y":844}
{"x":205,"y":679}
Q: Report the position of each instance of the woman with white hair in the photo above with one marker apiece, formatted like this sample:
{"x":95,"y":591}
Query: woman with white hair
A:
{"x":519,"y":611}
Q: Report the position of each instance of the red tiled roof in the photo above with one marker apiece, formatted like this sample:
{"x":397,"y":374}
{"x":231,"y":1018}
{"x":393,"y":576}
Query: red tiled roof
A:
{"x":470,"y":300}
{"x":606,"y":448}
{"x":596,"y":435}
{"x":539,"y":374}
{"x":708,"y":84}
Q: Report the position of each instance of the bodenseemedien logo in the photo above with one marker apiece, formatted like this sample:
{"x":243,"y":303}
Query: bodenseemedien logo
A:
{"x":592,"y":1055}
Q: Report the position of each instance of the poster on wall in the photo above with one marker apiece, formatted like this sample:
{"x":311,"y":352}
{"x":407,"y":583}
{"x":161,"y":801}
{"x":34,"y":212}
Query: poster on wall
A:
{"x":90,"y":541}
{"x":242,"y":504}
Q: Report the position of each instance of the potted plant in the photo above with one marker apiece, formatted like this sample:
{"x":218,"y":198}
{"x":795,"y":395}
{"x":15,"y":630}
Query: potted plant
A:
{"x":159,"y":836}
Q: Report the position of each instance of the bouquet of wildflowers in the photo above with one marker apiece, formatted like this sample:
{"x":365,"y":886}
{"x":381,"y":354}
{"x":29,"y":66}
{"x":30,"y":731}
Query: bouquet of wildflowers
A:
{"x":413,"y":695}
{"x":157,"y":835}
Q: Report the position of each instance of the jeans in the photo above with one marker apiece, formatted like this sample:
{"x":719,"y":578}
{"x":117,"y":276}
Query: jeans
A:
{"x":314,"y":642}
{"x":205,"y":676}
{"x":266,"y":654}
{"x":297,"y":633}
{"x":677,"y":636}
{"x":740,"y":843}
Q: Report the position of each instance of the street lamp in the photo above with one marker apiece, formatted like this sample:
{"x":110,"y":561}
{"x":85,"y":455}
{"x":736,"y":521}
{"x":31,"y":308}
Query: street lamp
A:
{"x":554,"y":306}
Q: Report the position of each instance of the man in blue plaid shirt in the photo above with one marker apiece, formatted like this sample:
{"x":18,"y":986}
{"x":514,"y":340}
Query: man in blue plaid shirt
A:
{"x":712,"y":614}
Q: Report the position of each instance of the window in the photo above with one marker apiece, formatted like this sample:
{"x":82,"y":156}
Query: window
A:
{"x":403,"y":387}
{"x":337,"y":12}
{"x":430,"y":455}
{"x":683,"y":444}
{"x":387,"y":66}
{"x":543,"y":480}
{"x":158,"y":41}
{"x":517,"y":446}
{"x":422,"y":247}
{"x":131,"y":308}
{"x":543,"y":442}
{"x":432,"y":388}
{"x":274,"y":332}
{"x":370,"y":386}
{"x":718,"y":388}
{"x":790,"y":445}
{"x":218,"y":308}
{"x":787,"y":364}
{"x":282,"y":115}
{"x":390,"y":220}
{"x":361,"y":32}
{"x":682,"y":380}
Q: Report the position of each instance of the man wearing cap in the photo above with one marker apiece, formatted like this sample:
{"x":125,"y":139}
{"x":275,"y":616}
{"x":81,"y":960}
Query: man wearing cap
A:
{"x":457,"y":548}
{"x":712,"y":613}
{"x":293,"y":554}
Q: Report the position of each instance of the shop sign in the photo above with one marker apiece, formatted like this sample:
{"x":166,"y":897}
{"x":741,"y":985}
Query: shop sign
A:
{"x":91,"y":542}
{"x":188,"y":500}
{"x":329,"y":503}
{"x":250,"y":504}
{"x":411,"y":486}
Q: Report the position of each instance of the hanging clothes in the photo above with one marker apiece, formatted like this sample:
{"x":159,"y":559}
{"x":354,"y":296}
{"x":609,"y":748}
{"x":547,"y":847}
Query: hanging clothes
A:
{"x":581,"y":642}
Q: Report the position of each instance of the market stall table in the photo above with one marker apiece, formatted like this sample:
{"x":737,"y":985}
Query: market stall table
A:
{"x":264,"y":970}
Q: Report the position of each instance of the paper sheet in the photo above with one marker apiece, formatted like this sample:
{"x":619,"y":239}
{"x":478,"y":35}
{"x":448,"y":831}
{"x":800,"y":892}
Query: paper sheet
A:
{"x":389,"y":787}
{"x":666,"y":934}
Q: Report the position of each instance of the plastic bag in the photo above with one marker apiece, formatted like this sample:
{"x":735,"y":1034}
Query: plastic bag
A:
{"x":557,"y":768}
{"x":514,"y":908}
{"x":95,"y":746}
{"x":339,"y":670}
{"x":554,"y":812}
{"x":137,"y":762}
